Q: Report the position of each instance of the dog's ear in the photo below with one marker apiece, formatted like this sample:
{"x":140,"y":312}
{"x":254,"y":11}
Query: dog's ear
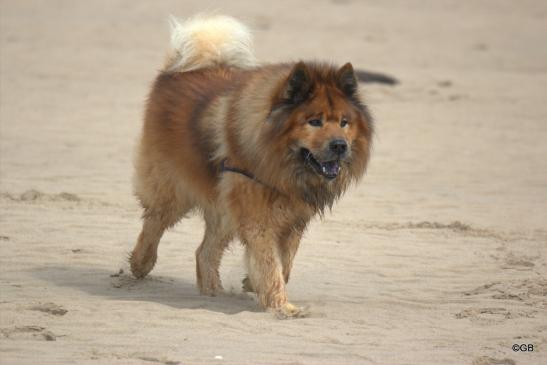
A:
{"x":298,"y":85}
{"x":347,"y":82}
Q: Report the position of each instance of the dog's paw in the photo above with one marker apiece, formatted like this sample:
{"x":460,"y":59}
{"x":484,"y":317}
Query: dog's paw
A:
{"x":247,"y":286}
{"x":141,"y":265}
{"x":212,"y":291}
{"x":291,"y":311}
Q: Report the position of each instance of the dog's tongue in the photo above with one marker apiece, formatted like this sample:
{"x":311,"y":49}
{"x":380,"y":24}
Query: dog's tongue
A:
{"x":330,"y":169}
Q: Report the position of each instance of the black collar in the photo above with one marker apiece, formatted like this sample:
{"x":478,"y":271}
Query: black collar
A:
{"x":225,"y":168}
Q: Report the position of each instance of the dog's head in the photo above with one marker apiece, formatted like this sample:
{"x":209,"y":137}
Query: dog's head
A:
{"x":318,"y":117}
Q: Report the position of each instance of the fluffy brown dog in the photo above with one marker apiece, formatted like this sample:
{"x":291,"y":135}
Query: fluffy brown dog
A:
{"x":258,"y":150}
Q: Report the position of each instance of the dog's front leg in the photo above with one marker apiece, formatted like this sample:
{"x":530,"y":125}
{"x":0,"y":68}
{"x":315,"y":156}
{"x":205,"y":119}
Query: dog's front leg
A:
{"x":287,"y":251}
{"x":288,"y":248}
{"x":265,"y":266}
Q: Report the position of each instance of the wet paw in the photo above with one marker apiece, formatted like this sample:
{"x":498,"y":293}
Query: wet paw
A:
{"x":211,"y":289}
{"x":141,"y":266}
{"x":291,"y":311}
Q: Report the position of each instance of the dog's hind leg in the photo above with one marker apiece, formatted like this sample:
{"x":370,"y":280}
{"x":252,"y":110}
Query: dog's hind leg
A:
{"x":209,"y":254}
{"x":156,"y":221}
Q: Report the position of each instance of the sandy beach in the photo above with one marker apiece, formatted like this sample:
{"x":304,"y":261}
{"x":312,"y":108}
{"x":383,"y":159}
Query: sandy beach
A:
{"x":438,"y":256}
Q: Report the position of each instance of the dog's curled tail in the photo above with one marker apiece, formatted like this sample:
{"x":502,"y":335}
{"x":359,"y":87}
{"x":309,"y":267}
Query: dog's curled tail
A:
{"x":208,"y":41}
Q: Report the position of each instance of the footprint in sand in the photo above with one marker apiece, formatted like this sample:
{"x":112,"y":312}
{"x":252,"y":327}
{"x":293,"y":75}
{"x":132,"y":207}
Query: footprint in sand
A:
{"x":64,"y":199}
{"x":28,"y":332}
{"x":486,"y":360}
{"x":127,"y":281}
{"x":32,"y":195}
{"x":50,"y":308}
{"x":492,"y":315}
{"x":35,"y":195}
{"x":531,"y":292}
{"x":519,"y":262}
{"x":161,"y":361}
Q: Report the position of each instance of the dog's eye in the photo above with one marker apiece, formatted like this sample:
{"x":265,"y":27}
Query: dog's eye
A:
{"x":344,"y":122}
{"x":315,"y":122}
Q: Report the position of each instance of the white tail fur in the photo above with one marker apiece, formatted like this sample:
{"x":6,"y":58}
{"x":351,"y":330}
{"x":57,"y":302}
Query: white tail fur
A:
{"x":202,"y":42}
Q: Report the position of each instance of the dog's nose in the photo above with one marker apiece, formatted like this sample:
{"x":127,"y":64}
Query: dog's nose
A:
{"x":338,"y":146}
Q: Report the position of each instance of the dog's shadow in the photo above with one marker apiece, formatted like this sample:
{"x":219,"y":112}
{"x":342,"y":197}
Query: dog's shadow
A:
{"x":165,"y":290}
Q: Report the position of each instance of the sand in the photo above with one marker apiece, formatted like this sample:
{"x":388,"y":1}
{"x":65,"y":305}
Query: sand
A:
{"x":437,"y":257}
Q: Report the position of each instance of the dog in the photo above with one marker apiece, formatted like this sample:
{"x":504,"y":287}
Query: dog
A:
{"x":258,"y":150}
